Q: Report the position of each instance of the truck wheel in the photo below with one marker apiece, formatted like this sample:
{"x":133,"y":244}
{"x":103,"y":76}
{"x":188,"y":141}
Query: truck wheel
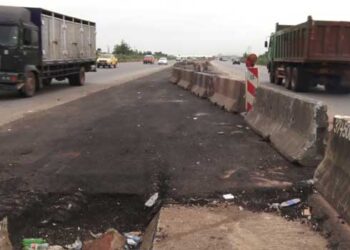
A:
{"x":278,"y":80}
{"x":333,"y":85}
{"x":272,"y":77}
{"x":78,"y":79}
{"x":288,"y":79}
{"x":29,"y":87}
{"x":299,"y":81}
{"x":47,"y":81}
{"x":331,"y":88}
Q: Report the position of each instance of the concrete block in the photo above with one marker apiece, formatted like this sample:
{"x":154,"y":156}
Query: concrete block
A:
{"x":295,"y":125}
{"x":227,"y":228}
{"x":229,"y":94}
{"x":332,"y":177}
{"x":203,"y":85}
{"x":175,"y":76}
{"x":187,"y":79}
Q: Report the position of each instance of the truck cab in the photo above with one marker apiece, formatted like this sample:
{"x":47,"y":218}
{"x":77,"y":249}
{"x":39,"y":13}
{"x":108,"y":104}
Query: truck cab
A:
{"x":19,"y":51}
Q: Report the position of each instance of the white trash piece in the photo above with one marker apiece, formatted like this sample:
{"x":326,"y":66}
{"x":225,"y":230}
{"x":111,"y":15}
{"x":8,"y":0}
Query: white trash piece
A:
{"x":228,"y":196}
{"x":152,"y":200}
{"x":289,"y":203}
{"x":77,"y":245}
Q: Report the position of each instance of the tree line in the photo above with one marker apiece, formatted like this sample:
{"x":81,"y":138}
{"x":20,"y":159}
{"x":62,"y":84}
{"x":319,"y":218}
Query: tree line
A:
{"x":124,"y":49}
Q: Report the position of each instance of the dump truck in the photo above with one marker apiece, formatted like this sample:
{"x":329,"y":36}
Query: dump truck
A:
{"x":310,"y":54}
{"x":37,"y":45}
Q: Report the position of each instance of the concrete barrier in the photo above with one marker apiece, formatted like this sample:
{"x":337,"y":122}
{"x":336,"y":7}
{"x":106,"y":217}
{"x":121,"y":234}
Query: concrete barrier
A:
{"x":295,"y":125}
{"x":175,"y":75}
{"x":332,"y":177}
{"x":203,"y":84}
{"x":186,"y":79}
{"x":229,"y":94}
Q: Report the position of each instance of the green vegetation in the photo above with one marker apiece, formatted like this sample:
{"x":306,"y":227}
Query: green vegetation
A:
{"x":262,"y":59}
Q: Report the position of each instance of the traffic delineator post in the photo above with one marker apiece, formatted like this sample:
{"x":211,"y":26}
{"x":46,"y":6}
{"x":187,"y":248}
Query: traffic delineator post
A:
{"x":252,"y":82}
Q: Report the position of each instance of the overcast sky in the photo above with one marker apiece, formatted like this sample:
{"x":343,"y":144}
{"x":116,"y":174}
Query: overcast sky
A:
{"x":191,"y":27}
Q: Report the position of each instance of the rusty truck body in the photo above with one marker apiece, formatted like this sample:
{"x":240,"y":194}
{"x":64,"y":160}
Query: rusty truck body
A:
{"x":309,"y":54}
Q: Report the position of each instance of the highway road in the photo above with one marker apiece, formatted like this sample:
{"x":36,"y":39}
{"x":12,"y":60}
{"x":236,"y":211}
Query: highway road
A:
{"x":134,"y":139}
{"x":13,"y":107}
{"x":338,"y":104}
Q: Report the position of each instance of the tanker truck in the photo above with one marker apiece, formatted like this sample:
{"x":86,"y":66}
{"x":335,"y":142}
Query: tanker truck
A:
{"x":38,"y":45}
{"x":310,"y":54}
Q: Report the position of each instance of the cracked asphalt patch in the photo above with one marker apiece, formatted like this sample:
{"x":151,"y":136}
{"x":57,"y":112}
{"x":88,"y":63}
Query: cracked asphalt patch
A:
{"x":135,"y":139}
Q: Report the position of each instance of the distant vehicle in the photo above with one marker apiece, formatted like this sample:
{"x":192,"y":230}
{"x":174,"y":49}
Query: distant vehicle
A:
{"x":107,"y":60}
{"x":35,"y":48}
{"x":178,"y":59}
{"x":148,"y":59}
{"x":311,"y":53}
{"x":236,"y":61}
{"x":163,"y":61}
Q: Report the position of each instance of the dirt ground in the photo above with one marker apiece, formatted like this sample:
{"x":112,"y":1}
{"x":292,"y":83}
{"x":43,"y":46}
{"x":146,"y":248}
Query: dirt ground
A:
{"x":133,"y":140}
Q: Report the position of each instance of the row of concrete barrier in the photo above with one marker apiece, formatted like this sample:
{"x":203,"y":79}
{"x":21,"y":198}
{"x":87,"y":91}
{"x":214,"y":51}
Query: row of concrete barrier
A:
{"x":332,"y":177}
{"x":296,"y":126}
{"x":224,"y":92}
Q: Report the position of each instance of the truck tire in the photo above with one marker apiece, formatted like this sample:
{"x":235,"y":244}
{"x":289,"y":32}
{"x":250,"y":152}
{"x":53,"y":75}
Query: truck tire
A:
{"x":333,"y":85}
{"x":288,"y":79}
{"x":30,"y":84}
{"x":298,"y":83}
{"x":78,"y":79}
{"x":272,"y":77}
{"x":278,"y":80}
{"x":47,"y":81}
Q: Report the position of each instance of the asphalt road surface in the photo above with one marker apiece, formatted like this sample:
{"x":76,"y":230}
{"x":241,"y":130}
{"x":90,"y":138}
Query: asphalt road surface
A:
{"x":338,"y":104}
{"x":137,"y":138}
{"x":13,"y":107}
{"x":118,"y":140}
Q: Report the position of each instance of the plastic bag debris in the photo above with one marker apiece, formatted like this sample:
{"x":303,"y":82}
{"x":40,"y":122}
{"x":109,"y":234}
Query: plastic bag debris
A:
{"x":5,"y":243}
{"x":133,"y":239}
{"x":228,"y":196}
{"x":275,"y":206}
{"x":309,"y":182}
{"x":290,"y":203}
{"x":77,"y":245}
{"x":152,"y":200}
{"x":96,"y":236}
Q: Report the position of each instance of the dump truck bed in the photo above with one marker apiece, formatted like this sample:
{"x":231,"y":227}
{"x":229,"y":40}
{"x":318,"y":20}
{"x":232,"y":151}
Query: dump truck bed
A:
{"x":313,"y":41}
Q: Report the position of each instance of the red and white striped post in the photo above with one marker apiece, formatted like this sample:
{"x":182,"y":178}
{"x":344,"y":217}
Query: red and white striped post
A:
{"x":252,"y":81}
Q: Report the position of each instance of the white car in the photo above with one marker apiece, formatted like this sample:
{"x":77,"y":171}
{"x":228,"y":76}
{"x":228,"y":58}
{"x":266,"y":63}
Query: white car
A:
{"x":163,"y":61}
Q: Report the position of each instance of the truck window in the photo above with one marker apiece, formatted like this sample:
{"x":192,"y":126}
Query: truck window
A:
{"x":9,"y":35}
{"x":35,"y":38}
{"x":27,"y":37}
{"x":30,"y":37}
